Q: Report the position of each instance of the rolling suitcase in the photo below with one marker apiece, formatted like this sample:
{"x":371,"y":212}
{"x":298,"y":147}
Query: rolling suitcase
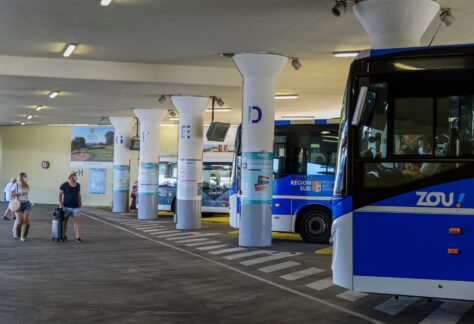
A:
{"x":57,"y":228}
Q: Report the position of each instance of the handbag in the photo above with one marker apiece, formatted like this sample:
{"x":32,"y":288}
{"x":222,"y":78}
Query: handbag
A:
{"x":14,"y":204}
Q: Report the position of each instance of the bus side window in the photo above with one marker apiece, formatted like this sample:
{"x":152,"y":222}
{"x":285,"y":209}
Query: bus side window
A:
{"x":373,"y":125}
{"x":413,"y":120}
{"x":455,"y":126}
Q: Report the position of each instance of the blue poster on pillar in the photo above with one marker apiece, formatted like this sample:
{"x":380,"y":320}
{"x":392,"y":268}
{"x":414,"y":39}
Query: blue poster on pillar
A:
{"x":257,"y":177}
{"x":97,"y":181}
{"x":121,"y":181}
{"x":148,"y":179}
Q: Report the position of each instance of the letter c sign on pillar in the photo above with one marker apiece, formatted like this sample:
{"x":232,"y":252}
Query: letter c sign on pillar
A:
{"x":259,"y":114}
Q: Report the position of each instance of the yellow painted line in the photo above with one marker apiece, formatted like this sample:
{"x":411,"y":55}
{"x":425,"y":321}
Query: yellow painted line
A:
{"x":165,"y":213}
{"x":325,"y":251}
{"x":215,"y":220}
{"x":292,"y":236}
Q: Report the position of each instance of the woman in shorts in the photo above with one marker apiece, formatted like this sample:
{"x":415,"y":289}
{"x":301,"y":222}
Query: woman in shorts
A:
{"x":21,"y":191}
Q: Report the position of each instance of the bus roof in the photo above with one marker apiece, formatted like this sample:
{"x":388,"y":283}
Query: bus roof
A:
{"x":425,"y":50}
{"x":307,"y":121}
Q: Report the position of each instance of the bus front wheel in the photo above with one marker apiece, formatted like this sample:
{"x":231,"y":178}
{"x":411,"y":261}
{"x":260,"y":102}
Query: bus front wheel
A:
{"x":315,"y":225}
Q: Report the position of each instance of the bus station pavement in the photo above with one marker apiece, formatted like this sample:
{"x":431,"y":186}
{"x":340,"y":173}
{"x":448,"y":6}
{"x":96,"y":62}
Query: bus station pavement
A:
{"x":131,"y":271}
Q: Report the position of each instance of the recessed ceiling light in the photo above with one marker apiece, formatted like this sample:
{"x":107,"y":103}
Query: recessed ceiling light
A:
{"x":286,"y":97}
{"x":29,"y":116}
{"x":216,"y":110}
{"x":105,"y":3}
{"x":53,"y":94}
{"x":23,"y":123}
{"x":346,"y":54}
{"x":39,"y":108}
{"x":69,"y":49}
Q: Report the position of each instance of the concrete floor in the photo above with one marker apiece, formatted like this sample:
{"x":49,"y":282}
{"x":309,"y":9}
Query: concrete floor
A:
{"x":127,"y":272}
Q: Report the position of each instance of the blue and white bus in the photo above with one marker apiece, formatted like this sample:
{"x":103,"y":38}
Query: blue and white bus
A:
{"x":215,"y":182}
{"x":403,"y":203}
{"x":303,"y":170}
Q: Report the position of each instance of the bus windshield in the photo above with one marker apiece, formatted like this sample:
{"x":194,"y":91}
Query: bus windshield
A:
{"x":304,"y":150}
{"x":411,"y":132}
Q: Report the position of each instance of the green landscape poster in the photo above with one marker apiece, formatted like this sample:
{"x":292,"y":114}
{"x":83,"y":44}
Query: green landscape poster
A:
{"x":92,"y":147}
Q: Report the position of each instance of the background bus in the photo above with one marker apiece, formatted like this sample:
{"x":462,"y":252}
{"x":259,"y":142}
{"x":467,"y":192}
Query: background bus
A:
{"x":215,"y":183}
{"x":303,"y":171}
{"x":403,"y":208}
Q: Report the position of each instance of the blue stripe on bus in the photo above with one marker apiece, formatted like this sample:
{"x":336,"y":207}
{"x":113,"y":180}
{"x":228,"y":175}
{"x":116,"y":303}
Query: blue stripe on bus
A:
{"x":452,"y":195}
{"x":379,"y":52}
{"x":412,"y":245}
{"x":281,"y":206}
{"x":341,"y":206}
{"x":282,"y":122}
{"x":290,"y":122}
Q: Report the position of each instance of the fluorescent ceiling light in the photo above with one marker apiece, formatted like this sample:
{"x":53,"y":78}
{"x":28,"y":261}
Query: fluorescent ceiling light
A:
{"x":105,"y":3}
{"x":168,"y":125}
{"x":70,"y":48}
{"x":173,"y":118}
{"x":29,"y":116}
{"x":325,"y":132}
{"x":218,"y":110}
{"x":23,"y":123}
{"x":39,"y":108}
{"x":346,"y":54}
{"x":286,"y":97}
{"x":53,"y":94}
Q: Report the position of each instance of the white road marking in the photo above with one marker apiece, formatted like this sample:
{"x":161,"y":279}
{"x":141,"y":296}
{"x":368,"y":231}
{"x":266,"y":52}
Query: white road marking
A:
{"x":161,"y":228}
{"x":301,"y":274}
{"x":236,"y":249}
{"x":321,"y":284}
{"x":175,"y":237}
{"x":168,"y":232}
{"x":192,"y":240}
{"x":178,"y":236}
{"x":394,"y":306}
{"x":244,"y":273}
{"x":247,"y":254}
{"x":212,"y":247}
{"x":448,"y":312}
{"x":201,"y":243}
{"x":279,"y":266}
{"x":147,"y":227}
{"x":352,"y":295}
{"x":273,"y":257}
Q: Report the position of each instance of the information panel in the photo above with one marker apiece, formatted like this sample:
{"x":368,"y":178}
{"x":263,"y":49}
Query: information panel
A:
{"x":257,"y":177}
{"x":97,"y":181}
{"x":121,"y":179}
{"x":148,"y":179}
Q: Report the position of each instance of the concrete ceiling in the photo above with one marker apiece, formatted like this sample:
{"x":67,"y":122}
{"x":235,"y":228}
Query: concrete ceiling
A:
{"x":135,"y":50}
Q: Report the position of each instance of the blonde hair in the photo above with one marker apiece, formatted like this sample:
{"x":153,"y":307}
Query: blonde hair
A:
{"x":23,"y":183}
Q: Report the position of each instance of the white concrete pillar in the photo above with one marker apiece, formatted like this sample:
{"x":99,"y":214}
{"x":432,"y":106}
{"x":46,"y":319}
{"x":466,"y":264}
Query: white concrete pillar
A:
{"x":190,"y":152}
{"x":396,"y":23}
{"x":121,"y":173}
{"x":259,"y":72}
{"x":149,"y":161}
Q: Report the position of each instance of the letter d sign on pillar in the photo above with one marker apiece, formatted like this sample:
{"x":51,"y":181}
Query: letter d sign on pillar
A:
{"x":258,"y":114}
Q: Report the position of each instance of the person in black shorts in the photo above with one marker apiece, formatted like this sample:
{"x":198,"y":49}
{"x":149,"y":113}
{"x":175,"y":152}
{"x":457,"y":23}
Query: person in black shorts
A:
{"x":70,"y":201}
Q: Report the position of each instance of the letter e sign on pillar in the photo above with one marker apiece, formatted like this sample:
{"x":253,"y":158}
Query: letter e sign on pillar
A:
{"x":186,"y":131}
